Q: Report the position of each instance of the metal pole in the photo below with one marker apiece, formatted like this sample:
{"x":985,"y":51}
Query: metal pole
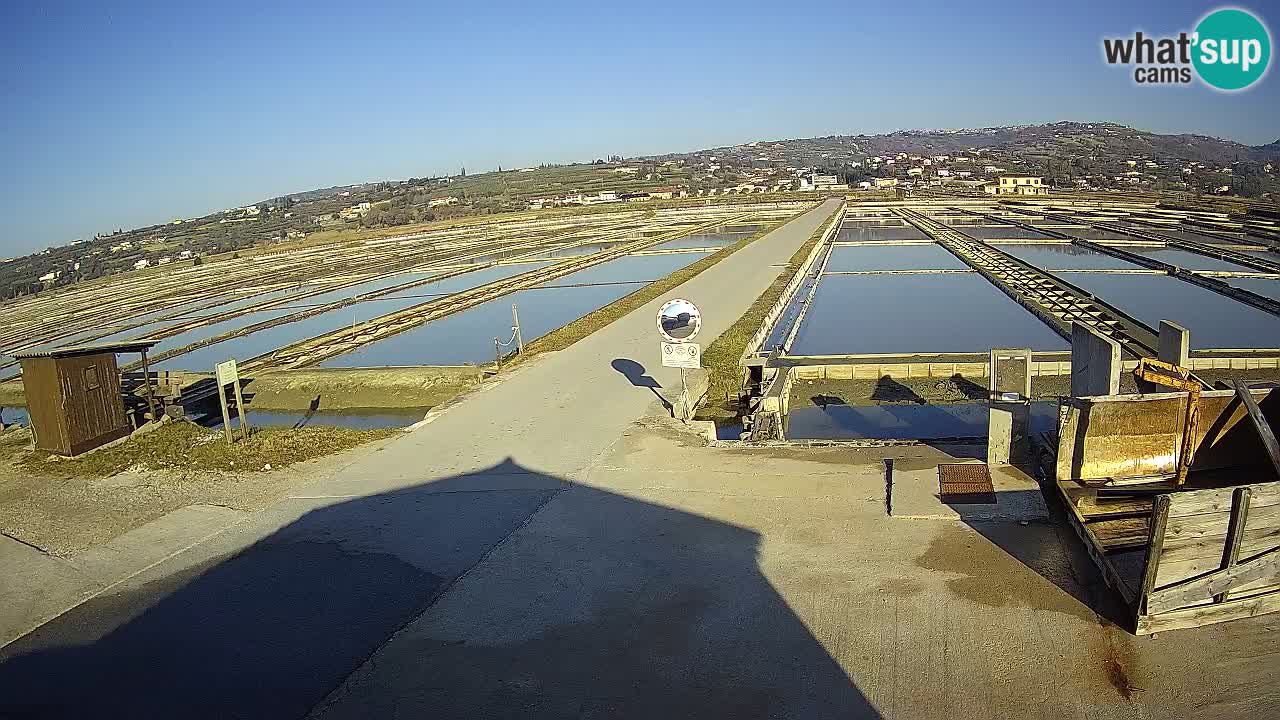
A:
{"x":146,"y":378}
{"x":497,"y":354}
{"x":515,"y":319}
{"x":684,"y":397}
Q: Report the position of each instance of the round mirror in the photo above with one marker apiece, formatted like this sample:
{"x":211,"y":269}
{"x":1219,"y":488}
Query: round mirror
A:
{"x":679,"y":320}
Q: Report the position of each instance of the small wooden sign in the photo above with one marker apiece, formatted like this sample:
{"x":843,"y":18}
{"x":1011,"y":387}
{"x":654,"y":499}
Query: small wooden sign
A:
{"x":226,"y":374}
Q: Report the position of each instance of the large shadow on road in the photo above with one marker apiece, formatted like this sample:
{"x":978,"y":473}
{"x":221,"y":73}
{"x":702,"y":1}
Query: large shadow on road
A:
{"x":516,"y":594}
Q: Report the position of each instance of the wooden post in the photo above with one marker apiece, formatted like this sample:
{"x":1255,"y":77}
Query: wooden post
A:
{"x":244,"y":421}
{"x":1155,"y":545}
{"x":1235,"y":533}
{"x":226,"y":416}
{"x":146,"y":378}
{"x":1259,"y":423}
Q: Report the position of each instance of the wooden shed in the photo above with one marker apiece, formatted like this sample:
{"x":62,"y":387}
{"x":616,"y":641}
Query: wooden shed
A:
{"x":73,"y":395}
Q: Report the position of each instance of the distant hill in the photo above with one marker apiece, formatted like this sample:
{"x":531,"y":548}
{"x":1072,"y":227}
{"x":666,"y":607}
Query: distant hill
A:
{"x":1103,"y":141}
{"x":1068,"y":154}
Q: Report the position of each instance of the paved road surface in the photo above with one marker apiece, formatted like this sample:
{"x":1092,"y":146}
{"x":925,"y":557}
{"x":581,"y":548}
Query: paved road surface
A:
{"x":270,"y":617}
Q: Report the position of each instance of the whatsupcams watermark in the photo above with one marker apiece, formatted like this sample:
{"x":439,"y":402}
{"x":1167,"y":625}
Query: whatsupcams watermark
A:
{"x":1229,"y":49}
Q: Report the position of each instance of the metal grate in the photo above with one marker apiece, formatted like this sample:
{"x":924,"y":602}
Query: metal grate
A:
{"x":965,"y":483}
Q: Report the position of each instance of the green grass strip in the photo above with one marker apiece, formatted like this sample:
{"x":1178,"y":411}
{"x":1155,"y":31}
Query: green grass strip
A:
{"x":722,"y":357}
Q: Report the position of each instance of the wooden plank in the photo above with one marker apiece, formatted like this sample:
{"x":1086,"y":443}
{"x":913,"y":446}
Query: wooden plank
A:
{"x":1205,"y":552}
{"x":1093,"y":507}
{"x":1209,"y":614}
{"x":1249,"y":589}
{"x":1110,"y":573}
{"x":1172,"y":572}
{"x":1259,"y":423}
{"x":1159,"y":518}
{"x":1121,"y":532}
{"x":1235,"y":534}
{"x":1199,"y":502}
{"x":1263,"y":567}
{"x":1196,"y":527}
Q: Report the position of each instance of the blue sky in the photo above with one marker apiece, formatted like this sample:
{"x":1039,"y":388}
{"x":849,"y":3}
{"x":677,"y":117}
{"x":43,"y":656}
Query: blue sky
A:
{"x":124,"y":114}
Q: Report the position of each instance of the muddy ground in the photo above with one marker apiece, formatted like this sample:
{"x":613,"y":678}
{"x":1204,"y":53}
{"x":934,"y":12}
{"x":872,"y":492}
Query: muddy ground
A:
{"x":63,"y":506}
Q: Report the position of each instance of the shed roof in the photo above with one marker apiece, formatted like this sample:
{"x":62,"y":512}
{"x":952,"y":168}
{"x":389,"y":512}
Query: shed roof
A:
{"x":88,"y":349}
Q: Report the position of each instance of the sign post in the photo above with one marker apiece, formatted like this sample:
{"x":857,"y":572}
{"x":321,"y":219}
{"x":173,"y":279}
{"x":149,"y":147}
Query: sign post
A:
{"x":226,"y":374}
{"x":678,"y":323}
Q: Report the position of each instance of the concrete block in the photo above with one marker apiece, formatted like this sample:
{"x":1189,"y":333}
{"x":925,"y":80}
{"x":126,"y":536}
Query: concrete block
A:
{"x":1095,"y":363}
{"x":866,"y":372}
{"x":999,"y":435}
{"x":1175,"y":343}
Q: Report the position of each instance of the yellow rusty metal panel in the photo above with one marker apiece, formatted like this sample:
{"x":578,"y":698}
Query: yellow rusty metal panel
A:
{"x":1127,"y":436}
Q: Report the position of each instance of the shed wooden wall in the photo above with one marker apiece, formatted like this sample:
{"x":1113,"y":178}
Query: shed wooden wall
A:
{"x":68,"y":414}
{"x":44,"y":404}
{"x":95,"y":415}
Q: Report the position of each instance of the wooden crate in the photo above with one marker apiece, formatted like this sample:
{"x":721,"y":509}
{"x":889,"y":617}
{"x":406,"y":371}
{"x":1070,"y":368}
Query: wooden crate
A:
{"x":1179,"y":558}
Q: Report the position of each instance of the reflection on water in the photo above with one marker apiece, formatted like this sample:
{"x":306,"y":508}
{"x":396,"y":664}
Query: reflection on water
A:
{"x":1003,"y":231}
{"x":1065,"y":256}
{"x":1189,"y":260}
{"x":861,"y":233}
{"x":931,"y":256}
{"x":903,"y":421}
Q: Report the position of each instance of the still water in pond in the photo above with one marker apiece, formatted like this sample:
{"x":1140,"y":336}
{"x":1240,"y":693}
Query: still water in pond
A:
{"x":1004,"y":231}
{"x":1188,"y":260}
{"x":903,"y":421}
{"x":1065,"y":256}
{"x":862,"y":233}
{"x":268,"y":339}
{"x":1215,"y":321}
{"x":1266,"y":287}
{"x":927,"y":256}
{"x":467,"y":336}
{"x":719,"y":237}
{"x":885,"y":314}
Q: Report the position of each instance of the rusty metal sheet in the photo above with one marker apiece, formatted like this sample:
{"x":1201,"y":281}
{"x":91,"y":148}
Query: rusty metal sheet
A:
{"x":965,"y":483}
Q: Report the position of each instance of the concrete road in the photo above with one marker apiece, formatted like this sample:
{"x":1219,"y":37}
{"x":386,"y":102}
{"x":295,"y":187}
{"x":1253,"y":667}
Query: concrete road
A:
{"x":548,"y":548}
{"x":269,"y":617}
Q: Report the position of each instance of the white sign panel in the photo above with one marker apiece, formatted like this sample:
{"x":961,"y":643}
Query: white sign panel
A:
{"x":227,"y":373}
{"x":682,"y":355}
{"x":679,"y":320}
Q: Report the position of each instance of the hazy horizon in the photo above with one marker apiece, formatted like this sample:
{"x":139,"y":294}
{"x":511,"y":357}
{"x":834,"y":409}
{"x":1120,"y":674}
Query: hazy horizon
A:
{"x":128,"y":117}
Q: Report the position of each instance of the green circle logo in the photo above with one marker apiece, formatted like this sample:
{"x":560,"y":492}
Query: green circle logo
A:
{"x":1232,"y":49}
